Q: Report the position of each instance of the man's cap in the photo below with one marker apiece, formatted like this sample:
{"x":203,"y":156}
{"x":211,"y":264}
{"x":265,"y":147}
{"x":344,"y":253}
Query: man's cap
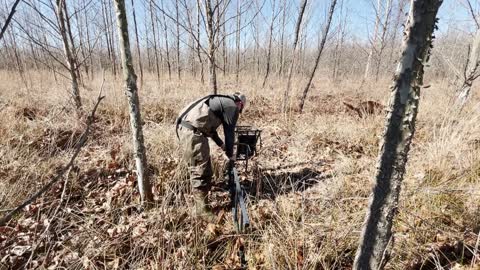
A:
{"x":241,"y":97}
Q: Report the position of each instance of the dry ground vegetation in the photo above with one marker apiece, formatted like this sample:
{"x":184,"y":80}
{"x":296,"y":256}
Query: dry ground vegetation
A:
{"x":308,"y":187}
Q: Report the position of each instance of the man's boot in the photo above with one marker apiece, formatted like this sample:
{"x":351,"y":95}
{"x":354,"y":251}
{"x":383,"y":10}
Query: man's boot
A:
{"x":201,"y":208}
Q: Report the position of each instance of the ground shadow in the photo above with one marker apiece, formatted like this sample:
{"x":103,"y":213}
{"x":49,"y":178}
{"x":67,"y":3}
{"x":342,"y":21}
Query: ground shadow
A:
{"x":268,"y":184}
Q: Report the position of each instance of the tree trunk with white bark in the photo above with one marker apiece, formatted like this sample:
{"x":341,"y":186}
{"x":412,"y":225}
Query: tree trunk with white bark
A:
{"x":131,"y":92}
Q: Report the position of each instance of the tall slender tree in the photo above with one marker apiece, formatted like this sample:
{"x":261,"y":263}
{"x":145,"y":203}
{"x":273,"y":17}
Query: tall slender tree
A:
{"x":270,"y":38}
{"x":212,"y":68}
{"x":398,"y":134}
{"x":286,"y":94}
{"x":131,"y":92}
{"x":69,"y":54}
{"x":319,"y":53}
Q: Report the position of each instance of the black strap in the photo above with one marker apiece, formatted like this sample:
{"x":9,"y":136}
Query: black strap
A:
{"x":187,"y":125}
{"x":206,"y":98}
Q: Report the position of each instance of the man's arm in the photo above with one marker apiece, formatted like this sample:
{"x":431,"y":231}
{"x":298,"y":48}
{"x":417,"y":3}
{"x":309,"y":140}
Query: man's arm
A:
{"x":229,"y":123}
{"x":217,"y":139}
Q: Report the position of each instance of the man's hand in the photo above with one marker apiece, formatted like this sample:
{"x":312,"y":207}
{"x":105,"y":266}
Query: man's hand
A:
{"x":229,"y":161}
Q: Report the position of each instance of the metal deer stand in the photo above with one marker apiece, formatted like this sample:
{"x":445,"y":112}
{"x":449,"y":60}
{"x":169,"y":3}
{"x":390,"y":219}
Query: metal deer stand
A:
{"x":247,"y":138}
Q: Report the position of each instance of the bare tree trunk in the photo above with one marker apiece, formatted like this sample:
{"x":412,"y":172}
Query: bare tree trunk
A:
{"x":237,"y":42}
{"x":282,"y":38}
{"x":68,"y":55}
{"x":178,"y":40}
{"x":269,"y":52}
{"x":224,"y":48}
{"x":292,"y":64}
{"x":134,"y":104}
{"x":200,"y":61}
{"x":140,"y":66}
{"x":18,"y":61}
{"x":72,"y":42}
{"x":167,"y":50}
{"x":155,"y":48}
{"x":82,"y":40}
{"x":109,"y":34}
{"x":471,"y":72}
{"x":87,"y":32}
{"x":338,"y":46}
{"x":374,"y":41}
{"x":34,"y":54}
{"x":148,"y":42}
{"x":211,"y":47}
{"x":394,"y":46}
{"x":383,"y":42}
{"x":106,"y":30}
{"x":319,"y":54}
{"x":112,"y":39}
{"x":399,"y":130}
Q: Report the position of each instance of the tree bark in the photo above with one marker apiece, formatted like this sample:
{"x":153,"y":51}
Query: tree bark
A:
{"x":319,"y":54}
{"x":397,"y":137}
{"x":69,"y":57}
{"x":292,"y":64}
{"x":134,"y":105}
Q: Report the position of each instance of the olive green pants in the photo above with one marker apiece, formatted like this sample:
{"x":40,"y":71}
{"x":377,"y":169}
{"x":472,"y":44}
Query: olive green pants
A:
{"x":196,"y":153}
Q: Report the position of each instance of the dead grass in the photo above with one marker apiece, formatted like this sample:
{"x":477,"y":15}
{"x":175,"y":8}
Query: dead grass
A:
{"x":308,"y":188}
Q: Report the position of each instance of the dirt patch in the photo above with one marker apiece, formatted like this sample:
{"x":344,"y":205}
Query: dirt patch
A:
{"x":363,"y":108}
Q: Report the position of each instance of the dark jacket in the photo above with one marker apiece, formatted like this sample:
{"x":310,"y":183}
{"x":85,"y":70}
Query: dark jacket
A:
{"x":208,"y":115}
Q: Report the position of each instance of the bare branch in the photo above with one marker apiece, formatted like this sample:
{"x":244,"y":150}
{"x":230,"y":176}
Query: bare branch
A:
{"x":9,"y":18}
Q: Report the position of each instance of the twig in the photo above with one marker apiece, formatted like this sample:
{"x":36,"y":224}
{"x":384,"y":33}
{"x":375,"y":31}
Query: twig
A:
{"x":473,"y":14}
{"x":80,"y":144}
